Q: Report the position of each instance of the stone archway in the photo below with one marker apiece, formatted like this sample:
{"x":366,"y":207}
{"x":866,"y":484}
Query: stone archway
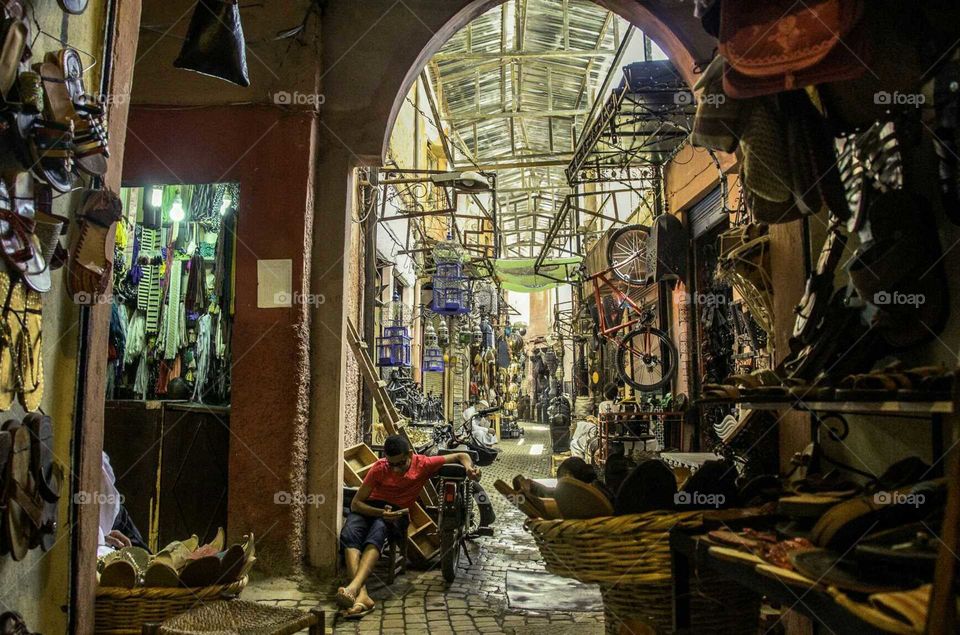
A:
{"x":371,"y":53}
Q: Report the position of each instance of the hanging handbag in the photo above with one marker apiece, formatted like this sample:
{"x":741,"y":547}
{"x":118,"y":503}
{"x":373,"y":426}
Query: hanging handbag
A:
{"x":215,"y":45}
{"x":781,"y":45}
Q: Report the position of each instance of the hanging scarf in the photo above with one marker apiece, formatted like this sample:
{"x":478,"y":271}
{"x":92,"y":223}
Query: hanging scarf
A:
{"x":196,"y":299}
{"x":202,"y":356}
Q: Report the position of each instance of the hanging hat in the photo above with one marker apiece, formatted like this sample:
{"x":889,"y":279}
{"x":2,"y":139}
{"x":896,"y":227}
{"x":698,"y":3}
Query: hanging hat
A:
{"x":215,"y":45}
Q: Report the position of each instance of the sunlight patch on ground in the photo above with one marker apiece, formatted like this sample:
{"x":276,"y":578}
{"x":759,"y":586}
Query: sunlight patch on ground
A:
{"x":536,"y":449}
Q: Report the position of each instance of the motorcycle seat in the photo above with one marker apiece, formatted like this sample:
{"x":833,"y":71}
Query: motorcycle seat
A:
{"x":453,"y":470}
{"x":460,"y":448}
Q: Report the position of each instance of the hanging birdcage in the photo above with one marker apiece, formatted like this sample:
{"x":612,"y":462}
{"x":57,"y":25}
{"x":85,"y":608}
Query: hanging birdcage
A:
{"x":393,"y":347}
{"x":433,"y":359}
{"x":443,"y":333}
{"x":451,"y":288}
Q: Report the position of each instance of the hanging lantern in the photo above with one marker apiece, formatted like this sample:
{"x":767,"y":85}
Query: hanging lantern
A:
{"x":451,"y":289}
{"x":393,"y":347}
{"x":443,"y":334}
{"x":477,"y":335}
{"x":429,"y":335}
{"x":433,"y":359}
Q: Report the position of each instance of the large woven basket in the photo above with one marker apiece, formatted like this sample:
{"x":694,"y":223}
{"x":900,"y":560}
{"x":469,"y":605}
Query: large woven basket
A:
{"x":629,"y":557}
{"x":124,"y":611}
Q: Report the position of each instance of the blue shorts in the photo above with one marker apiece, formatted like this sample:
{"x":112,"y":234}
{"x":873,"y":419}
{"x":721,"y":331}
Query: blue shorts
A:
{"x":359,"y":531}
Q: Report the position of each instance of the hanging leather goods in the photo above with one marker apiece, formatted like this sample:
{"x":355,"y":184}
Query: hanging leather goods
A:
{"x":781,"y":45}
{"x":215,"y":44}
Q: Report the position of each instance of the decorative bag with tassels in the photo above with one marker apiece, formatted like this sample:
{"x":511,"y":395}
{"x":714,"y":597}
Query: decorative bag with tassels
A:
{"x":779,"y":45}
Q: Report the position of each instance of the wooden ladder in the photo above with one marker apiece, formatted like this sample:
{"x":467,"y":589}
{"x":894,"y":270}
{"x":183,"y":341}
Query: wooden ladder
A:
{"x":389,"y":415}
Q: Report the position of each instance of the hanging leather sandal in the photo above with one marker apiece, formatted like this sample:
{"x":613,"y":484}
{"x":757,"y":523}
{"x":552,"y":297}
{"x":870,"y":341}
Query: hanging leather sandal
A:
{"x":91,"y":260}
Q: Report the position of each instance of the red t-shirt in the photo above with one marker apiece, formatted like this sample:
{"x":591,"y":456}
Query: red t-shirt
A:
{"x":401,"y":490}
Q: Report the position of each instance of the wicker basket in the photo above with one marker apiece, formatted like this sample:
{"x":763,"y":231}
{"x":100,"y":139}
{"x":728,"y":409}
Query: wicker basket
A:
{"x":629,"y":557}
{"x":124,"y":611}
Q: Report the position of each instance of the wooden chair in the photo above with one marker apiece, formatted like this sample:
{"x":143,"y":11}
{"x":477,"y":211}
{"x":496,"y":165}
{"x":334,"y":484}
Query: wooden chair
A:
{"x":230,"y":615}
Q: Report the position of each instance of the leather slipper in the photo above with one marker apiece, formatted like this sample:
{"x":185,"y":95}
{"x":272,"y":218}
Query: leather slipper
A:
{"x":91,"y":259}
{"x":201,"y":572}
{"x":30,"y":356}
{"x":24,"y":511}
{"x":119,"y":571}
{"x":9,"y":343}
{"x":237,"y":561}
{"x":40,"y":427}
{"x":159,"y":573}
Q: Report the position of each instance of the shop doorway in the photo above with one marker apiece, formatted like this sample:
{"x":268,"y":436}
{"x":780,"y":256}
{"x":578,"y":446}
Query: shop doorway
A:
{"x":167,"y":410}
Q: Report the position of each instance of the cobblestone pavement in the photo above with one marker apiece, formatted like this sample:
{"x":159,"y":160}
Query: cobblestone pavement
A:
{"x":420,"y":601}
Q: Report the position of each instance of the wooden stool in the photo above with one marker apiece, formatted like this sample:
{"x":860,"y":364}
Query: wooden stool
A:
{"x":240,"y":617}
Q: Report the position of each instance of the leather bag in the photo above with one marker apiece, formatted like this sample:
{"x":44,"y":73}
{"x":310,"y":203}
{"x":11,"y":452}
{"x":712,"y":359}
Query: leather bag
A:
{"x":215,"y":45}
{"x":780,"y":45}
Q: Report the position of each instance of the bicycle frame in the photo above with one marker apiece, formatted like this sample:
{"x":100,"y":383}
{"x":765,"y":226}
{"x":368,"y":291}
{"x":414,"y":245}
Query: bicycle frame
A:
{"x":606,"y":331}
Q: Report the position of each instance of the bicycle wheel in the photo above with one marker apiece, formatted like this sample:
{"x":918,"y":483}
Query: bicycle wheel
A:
{"x":646,"y":359}
{"x":627,"y":254}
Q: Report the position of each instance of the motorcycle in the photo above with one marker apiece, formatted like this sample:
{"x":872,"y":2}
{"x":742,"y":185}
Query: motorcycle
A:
{"x":464,"y":508}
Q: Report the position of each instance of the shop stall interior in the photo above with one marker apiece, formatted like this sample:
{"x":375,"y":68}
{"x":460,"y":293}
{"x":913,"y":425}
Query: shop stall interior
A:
{"x":569,"y":316}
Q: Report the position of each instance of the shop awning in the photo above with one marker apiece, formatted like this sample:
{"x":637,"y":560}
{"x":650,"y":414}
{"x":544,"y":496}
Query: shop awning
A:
{"x":517,"y":274}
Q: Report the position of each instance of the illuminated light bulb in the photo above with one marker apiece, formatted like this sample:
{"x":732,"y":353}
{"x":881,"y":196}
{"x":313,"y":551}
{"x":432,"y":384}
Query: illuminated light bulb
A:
{"x":176,"y":210}
{"x":156,"y":197}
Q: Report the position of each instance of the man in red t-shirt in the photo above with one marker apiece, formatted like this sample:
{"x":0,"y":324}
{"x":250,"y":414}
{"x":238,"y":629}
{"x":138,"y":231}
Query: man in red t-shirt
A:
{"x":380,"y":508}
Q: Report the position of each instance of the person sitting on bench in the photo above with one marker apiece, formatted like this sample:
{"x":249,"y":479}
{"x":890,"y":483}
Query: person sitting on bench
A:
{"x":380,"y":509}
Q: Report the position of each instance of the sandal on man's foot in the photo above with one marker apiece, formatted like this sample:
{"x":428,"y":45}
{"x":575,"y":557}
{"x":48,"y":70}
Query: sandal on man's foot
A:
{"x":344,"y":598}
{"x":357,"y":611}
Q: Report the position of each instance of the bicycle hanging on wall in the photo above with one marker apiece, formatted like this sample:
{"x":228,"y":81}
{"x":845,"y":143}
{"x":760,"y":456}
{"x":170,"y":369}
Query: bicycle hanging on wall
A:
{"x":647,"y":358}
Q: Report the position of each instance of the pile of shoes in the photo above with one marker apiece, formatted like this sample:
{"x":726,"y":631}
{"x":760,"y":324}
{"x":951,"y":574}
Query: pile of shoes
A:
{"x":180,"y":564}
{"x":54,"y":139}
{"x":30,"y":482}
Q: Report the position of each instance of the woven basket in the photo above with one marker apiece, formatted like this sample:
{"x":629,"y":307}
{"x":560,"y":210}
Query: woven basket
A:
{"x":629,"y":557}
{"x":124,"y":611}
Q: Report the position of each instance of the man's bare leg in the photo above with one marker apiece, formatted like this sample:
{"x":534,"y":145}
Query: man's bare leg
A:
{"x":359,"y":567}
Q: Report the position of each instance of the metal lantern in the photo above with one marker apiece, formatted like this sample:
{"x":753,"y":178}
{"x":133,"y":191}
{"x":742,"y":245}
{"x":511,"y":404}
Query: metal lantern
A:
{"x":433,"y":359}
{"x":443,"y":333}
{"x":451,"y":288}
{"x":464,"y":335}
{"x":393,"y":347}
{"x":429,"y":335}
{"x":477,"y":335}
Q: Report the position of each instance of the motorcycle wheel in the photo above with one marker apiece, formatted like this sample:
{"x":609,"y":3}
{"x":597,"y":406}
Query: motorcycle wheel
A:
{"x":449,"y":554}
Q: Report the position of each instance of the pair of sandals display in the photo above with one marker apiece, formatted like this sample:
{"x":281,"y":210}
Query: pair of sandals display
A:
{"x":55,"y":127}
